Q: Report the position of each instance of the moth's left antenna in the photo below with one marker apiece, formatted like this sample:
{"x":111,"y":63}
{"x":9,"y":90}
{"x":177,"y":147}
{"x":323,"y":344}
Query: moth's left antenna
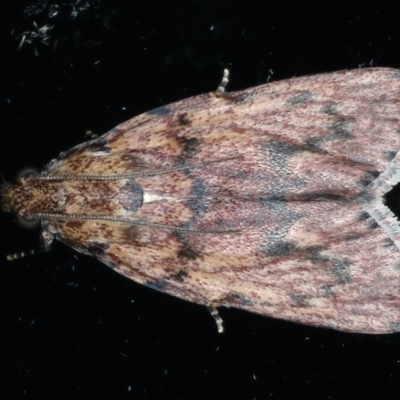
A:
{"x":23,"y":254}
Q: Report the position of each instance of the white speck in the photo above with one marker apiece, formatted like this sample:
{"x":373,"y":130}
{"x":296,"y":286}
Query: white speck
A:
{"x":212,"y":27}
{"x":22,"y":42}
{"x":129,"y":388}
{"x":96,"y":62}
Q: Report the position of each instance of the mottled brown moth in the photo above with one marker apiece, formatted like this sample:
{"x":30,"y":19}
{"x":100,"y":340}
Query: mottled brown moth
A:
{"x":279,"y":199}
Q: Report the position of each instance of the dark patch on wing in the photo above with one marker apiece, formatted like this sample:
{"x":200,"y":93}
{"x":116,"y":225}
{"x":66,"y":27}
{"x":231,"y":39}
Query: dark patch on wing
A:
{"x":179,"y":276}
{"x":353,"y":236}
{"x":98,"y":250}
{"x":189,"y":147}
{"x":371,"y":223}
{"x":340,"y":270}
{"x":131,"y":196}
{"x":198,"y":206}
{"x":301,"y":98}
{"x":269,"y":202}
{"x":337,"y":267}
{"x":196,"y":202}
{"x":128,"y":234}
{"x":313,"y":145}
{"x":74,"y":224}
{"x":272,"y":243}
{"x":330,"y":109}
{"x":299,"y":300}
{"x":279,"y":248}
{"x":363,"y":216}
{"x":187,"y":252}
{"x":280,"y":151}
{"x":368,"y":178}
{"x":313,"y":254}
{"x":199,"y":188}
{"x":283,"y":149}
{"x":327,"y":291}
{"x":387,"y":242}
{"x":390,"y":155}
{"x":99,"y":245}
{"x":341,"y":126}
{"x":236,"y":299}
{"x":182,"y":120}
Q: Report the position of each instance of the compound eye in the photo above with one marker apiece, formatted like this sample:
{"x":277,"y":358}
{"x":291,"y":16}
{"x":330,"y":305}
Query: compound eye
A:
{"x":27,"y":171}
{"x":27,"y":223}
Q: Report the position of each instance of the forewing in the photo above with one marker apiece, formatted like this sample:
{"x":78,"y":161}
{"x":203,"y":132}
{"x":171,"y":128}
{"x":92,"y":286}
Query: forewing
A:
{"x":270,"y":203}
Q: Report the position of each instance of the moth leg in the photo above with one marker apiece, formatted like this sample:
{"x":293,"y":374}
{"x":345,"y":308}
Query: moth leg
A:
{"x":224,"y":82}
{"x":217,"y":318}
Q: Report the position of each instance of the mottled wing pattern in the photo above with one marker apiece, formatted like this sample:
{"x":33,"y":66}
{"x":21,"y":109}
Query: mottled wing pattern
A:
{"x":274,"y":200}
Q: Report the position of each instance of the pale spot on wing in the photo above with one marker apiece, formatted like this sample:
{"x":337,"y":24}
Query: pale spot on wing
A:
{"x":150,"y":197}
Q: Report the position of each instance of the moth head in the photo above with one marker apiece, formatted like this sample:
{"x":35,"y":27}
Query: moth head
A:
{"x":14,"y":198}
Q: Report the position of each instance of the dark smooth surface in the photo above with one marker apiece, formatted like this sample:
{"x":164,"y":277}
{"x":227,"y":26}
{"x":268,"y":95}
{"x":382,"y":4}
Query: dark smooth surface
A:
{"x":71,"y":327}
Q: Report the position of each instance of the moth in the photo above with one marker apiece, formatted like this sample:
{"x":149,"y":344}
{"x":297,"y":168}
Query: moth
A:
{"x":279,"y":199}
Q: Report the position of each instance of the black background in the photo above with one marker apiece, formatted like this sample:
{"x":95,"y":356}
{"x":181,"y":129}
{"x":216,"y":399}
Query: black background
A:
{"x":71,"y":327}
